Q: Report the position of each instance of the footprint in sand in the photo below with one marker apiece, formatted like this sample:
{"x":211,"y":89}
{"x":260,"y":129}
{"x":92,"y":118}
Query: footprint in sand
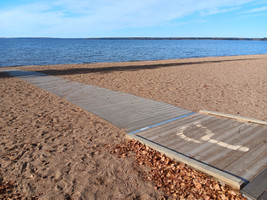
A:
{"x":61,"y":185}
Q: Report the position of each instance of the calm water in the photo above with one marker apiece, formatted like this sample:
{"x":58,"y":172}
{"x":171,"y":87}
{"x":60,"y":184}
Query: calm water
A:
{"x":18,"y":52}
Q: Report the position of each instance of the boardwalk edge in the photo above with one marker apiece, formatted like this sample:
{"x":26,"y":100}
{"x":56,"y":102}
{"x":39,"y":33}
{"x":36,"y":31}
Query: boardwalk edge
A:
{"x":221,"y":176}
{"x":238,"y":118}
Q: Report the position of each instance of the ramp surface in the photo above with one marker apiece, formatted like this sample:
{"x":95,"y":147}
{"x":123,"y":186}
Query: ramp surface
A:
{"x":257,"y":189}
{"x":235,"y":148}
{"x":126,"y":111}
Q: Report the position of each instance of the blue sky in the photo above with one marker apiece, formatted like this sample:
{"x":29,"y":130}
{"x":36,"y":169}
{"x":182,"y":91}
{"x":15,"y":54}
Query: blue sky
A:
{"x":135,"y":18}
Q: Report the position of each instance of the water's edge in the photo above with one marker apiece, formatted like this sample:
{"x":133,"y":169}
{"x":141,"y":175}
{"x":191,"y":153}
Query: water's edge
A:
{"x":18,"y":52}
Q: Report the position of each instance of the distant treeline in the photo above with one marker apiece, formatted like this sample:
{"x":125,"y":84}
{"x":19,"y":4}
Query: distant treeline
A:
{"x":175,"y":38}
{"x":146,"y":38}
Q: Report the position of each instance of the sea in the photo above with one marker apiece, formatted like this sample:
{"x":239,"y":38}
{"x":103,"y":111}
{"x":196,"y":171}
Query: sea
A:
{"x":47,"y":51}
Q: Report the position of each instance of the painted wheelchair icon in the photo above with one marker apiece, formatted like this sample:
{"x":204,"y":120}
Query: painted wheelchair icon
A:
{"x":208,"y":138}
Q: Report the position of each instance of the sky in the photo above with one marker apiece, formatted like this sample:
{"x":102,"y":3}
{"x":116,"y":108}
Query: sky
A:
{"x":135,"y":18}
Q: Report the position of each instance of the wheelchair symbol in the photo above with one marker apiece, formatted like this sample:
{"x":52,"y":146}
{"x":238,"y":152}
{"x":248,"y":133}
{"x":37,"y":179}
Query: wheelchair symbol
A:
{"x":208,"y":138}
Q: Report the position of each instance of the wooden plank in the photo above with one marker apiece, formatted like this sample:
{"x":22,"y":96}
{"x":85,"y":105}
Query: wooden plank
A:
{"x":132,"y":109}
{"x":257,"y":187}
{"x":152,"y":121}
{"x":162,"y":130}
{"x":160,"y":111}
{"x":227,"y":136}
{"x":157,"y":118}
{"x":47,"y":81}
{"x":99,"y":105}
{"x":254,"y":168}
{"x":242,"y":163}
{"x":250,"y":139}
{"x":263,"y":196}
{"x":63,"y":91}
{"x":141,"y":120}
{"x":195,"y":149}
{"x":171,"y":128}
{"x":113,"y":115}
{"x":193,"y":131}
{"x":156,"y":112}
{"x":239,"y":118}
{"x":145,"y":121}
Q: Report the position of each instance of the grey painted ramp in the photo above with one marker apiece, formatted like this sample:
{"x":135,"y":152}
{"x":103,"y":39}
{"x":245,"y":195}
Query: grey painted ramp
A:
{"x":126,"y":111}
{"x":257,"y":189}
{"x":233,"y":147}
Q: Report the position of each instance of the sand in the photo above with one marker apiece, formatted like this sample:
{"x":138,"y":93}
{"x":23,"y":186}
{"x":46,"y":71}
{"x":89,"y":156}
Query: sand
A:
{"x":52,"y":149}
{"x":55,"y":150}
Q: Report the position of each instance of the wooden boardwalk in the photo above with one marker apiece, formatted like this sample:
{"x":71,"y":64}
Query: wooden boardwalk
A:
{"x":233,"y":147}
{"x":231,"y":151}
{"x":257,"y":188}
{"x":125,"y":111}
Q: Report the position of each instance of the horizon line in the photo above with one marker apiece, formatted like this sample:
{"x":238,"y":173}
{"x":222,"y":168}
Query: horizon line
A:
{"x":143,"y":38}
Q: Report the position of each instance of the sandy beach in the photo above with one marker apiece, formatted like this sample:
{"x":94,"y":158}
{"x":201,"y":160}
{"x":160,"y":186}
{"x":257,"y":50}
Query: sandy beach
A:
{"x":51,"y":149}
{"x":234,"y":85}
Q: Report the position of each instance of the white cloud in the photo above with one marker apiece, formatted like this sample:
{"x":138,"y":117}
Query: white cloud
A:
{"x":83,"y":17}
{"x":256,"y":10}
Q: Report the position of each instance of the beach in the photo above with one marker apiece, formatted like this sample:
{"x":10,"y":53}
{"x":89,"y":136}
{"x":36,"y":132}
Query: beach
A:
{"x":234,"y":85}
{"x":52,"y":149}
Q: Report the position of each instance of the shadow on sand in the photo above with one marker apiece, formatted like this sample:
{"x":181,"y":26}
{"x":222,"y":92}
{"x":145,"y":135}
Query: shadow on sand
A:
{"x":128,"y":67}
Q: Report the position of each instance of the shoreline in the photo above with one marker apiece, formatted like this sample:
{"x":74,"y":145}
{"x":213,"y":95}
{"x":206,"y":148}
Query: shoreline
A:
{"x":134,"y":61}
